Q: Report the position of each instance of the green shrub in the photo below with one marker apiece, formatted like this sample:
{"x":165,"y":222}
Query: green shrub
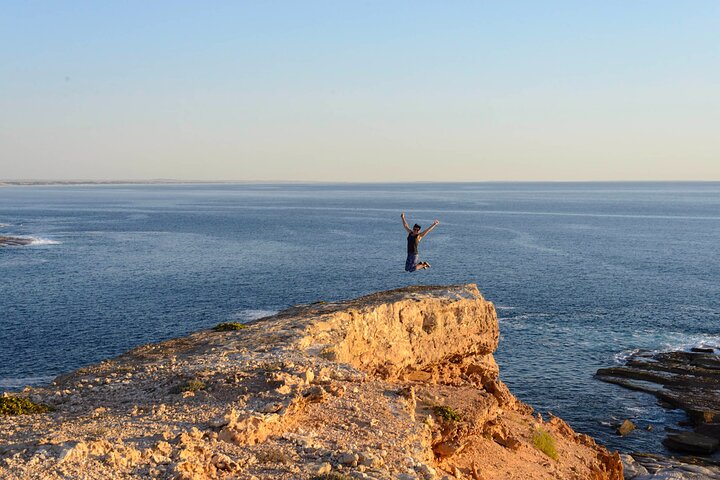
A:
{"x":447,"y":413}
{"x":544,"y":442}
{"x":189,"y":386}
{"x":21,"y":406}
{"x":229,"y":327}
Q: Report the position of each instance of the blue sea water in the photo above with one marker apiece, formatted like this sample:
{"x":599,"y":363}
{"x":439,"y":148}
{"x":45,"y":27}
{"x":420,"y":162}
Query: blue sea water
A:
{"x":581,"y":273}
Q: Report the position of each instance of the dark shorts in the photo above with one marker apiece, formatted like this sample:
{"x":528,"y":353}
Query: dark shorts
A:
{"x":411,"y":263}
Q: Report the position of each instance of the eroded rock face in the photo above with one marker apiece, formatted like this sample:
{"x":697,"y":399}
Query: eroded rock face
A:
{"x":399,"y":384}
{"x":412,"y":329}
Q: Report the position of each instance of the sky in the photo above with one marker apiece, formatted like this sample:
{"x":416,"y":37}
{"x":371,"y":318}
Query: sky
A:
{"x":364,"y":91}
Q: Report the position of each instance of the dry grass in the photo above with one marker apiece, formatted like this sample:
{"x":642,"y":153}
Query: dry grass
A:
{"x":544,"y":442}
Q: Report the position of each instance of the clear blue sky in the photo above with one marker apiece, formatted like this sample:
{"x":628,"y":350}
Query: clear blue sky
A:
{"x":360,"y":91}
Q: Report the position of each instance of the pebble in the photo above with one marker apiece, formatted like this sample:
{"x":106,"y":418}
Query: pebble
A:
{"x":406,"y":476}
{"x":426,"y":471}
{"x":349,"y":458}
{"x":324,"y":468}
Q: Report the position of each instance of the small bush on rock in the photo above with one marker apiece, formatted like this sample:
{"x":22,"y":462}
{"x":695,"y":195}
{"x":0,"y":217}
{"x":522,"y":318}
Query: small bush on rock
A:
{"x":229,"y":327}
{"x":189,"y":386}
{"x":545,"y":443}
{"x":447,"y":413}
{"x":10,"y":405}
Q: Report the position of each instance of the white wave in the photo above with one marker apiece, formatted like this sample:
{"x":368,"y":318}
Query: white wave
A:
{"x":639,"y":411}
{"x":248,"y":315}
{"x":343,"y":233}
{"x":17,"y":383}
{"x":623,"y":356}
{"x":690,"y":341}
{"x":525,"y":316}
{"x":673,"y":343}
{"x":3,"y":225}
{"x":43,"y":241}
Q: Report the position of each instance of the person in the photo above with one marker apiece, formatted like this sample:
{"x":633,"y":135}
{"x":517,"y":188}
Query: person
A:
{"x":413,"y":239}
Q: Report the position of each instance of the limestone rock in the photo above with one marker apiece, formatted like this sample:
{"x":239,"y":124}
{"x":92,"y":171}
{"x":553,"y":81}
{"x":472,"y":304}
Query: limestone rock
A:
{"x":324,"y":469}
{"x":626,"y":427}
{"x":349,"y":458}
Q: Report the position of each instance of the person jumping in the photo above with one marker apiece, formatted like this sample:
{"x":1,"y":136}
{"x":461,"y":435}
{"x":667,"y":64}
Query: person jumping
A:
{"x":413,"y":239}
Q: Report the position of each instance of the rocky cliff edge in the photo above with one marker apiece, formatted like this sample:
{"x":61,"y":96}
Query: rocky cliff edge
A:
{"x":396,"y":385}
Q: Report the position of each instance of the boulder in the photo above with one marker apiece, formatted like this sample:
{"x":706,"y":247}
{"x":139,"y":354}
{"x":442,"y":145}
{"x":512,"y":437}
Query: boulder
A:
{"x":626,"y":427}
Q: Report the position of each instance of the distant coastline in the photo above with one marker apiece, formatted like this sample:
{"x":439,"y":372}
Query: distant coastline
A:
{"x":8,"y":183}
{"x":96,"y":182}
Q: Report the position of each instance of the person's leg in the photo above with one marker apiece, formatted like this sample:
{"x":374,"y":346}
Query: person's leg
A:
{"x":411,"y":263}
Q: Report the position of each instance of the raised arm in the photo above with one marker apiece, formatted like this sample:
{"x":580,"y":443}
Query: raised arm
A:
{"x":402,"y":215}
{"x":429,"y":229}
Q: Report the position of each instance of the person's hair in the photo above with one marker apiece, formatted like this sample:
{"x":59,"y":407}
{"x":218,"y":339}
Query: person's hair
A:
{"x":416,"y":226}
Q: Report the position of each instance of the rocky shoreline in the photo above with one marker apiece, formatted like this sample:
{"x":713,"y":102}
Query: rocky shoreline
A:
{"x":14,"y":241}
{"x":644,"y":466}
{"x":688,"y":380}
{"x":397,"y":385}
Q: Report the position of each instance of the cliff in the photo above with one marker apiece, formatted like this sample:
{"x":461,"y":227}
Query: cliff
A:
{"x":395,"y":385}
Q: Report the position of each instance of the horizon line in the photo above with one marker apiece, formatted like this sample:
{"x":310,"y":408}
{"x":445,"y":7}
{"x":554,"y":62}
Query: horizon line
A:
{"x":41,"y":182}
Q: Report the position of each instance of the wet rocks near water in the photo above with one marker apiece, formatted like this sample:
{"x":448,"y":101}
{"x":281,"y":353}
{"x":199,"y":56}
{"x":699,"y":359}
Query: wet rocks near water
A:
{"x":702,"y":350}
{"x":691,"y":442}
{"x":686,"y":380}
{"x":640,"y":466}
{"x":14,"y":241}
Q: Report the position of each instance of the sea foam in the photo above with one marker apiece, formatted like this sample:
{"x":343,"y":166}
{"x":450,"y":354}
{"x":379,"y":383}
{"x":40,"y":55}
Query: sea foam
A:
{"x":43,"y":241}
{"x":684,"y":343}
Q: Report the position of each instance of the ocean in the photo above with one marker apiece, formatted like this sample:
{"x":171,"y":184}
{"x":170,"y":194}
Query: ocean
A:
{"x":582,"y":274}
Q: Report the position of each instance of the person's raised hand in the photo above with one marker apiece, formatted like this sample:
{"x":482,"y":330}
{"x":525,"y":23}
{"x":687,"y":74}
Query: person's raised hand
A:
{"x":436,"y":222}
{"x":402,"y":215}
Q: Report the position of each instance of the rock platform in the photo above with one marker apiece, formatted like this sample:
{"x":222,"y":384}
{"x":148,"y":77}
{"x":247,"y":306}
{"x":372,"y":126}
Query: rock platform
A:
{"x":686,"y":380}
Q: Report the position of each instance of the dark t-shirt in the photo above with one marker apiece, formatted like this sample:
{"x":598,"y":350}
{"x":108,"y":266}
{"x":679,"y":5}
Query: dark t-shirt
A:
{"x":413,"y":241}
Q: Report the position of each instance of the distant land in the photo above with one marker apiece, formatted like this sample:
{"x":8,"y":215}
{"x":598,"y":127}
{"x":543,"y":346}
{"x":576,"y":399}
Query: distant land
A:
{"x":162,"y":181}
{"x":97,"y":182}
{"x":5,"y":183}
